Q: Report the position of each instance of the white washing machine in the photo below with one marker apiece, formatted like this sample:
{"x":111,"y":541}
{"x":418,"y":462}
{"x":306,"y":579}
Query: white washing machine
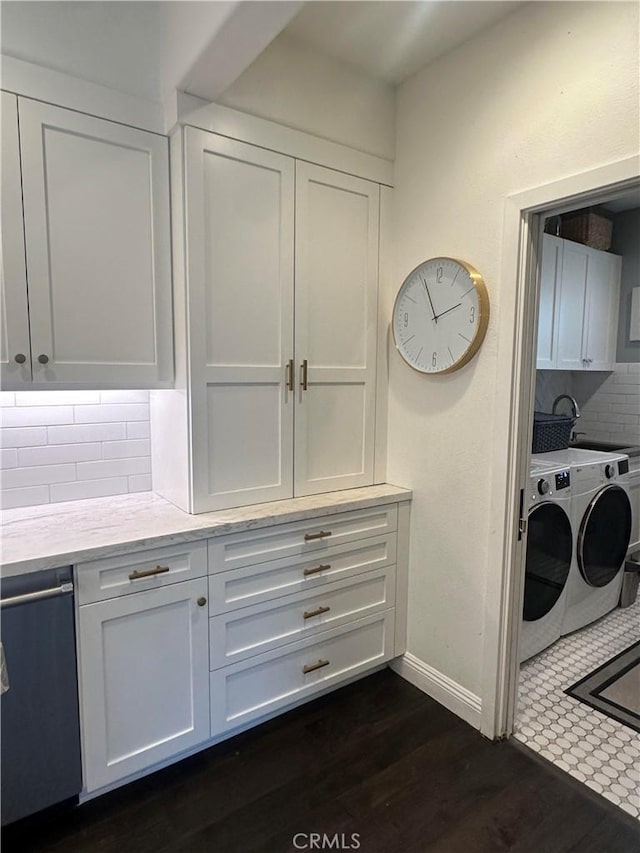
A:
{"x":601,"y":519}
{"x":549,"y":556}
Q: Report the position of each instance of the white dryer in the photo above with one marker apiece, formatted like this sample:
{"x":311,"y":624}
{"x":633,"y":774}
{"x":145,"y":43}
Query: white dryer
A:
{"x":602,"y":518}
{"x":549,"y":556}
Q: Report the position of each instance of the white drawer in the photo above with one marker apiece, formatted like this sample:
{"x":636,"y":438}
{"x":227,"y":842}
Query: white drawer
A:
{"x":250,"y":689}
{"x":110,"y":577}
{"x":253,"y":584}
{"x":253,"y":630}
{"x":293,"y":540}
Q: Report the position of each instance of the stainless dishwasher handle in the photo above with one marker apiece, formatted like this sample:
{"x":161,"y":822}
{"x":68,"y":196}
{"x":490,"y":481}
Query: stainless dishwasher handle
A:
{"x":63,"y":589}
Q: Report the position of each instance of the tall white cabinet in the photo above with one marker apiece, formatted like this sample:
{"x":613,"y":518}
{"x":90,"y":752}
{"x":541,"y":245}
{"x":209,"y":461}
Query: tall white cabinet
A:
{"x":277,"y":272}
{"x":86,"y":251}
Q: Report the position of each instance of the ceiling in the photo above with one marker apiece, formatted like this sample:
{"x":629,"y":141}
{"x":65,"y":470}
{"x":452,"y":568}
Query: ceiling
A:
{"x":126,"y":45}
{"x":393,"y":40}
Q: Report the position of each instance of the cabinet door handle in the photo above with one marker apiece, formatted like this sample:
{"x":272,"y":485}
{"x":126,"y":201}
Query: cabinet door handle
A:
{"x":159,"y":570}
{"x":20,"y":358}
{"x":309,"y":614}
{"x":202,"y":601}
{"x":289,"y":375}
{"x":43,"y":359}
{"x":304,"y":371}
{"x":308,"y":537}
{"x":317,"y":569}
{"x":310,"y":667}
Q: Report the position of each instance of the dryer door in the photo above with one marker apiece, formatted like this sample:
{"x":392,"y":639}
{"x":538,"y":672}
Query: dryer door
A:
{"x":549,"y":550}
{"x":604,"y":536}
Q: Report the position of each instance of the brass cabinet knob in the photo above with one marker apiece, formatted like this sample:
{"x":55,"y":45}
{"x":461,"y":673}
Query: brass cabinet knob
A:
{"x":21,"y":358}
{"x":202,"y":601}
{"x":43,"y":359}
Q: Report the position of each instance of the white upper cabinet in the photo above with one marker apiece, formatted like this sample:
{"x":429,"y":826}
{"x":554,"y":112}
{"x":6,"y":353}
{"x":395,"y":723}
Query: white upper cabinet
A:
{"x":281,"y":402}
{"x":239,"y":204}
{"x":97,"y":238}
{"x":550,"y":272}
{"x":15,"y":349}
{"x":337,"y":220}
{"x":579,"y":298}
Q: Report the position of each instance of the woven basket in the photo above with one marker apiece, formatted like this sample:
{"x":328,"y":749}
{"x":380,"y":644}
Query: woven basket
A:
{"x":591,"y":229}
{"x":551,"y":432}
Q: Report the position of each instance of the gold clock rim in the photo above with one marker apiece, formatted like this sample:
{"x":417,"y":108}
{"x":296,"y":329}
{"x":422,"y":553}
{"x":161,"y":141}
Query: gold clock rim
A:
{"x":481,"y":328}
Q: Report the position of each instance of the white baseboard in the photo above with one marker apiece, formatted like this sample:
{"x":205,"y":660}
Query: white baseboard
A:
{"x":443,"y":689}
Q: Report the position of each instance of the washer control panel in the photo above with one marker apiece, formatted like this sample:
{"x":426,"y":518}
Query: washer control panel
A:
{"x":563,"y":480}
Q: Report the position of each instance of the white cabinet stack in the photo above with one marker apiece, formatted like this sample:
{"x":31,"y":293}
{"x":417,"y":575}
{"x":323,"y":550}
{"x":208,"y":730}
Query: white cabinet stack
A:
{"x":579,"y":300}
{"x":276,"y":284}
{"x":86,"y":254}
{"x":183,"y":645}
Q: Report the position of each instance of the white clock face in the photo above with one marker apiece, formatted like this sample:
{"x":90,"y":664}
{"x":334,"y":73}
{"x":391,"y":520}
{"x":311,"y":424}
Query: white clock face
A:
{"x":440,"y":315}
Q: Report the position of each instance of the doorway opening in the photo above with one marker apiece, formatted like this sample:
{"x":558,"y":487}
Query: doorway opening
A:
{"x":581,"y":503}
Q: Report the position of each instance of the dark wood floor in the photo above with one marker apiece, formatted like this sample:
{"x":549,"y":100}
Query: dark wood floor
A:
{"x":377,"y":758}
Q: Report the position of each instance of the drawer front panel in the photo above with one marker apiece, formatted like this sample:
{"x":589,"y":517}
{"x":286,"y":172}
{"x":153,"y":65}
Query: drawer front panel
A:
{"x":114,"y":576}
{"x":253,"y":584}
{"x":250,"y":689}
{"x":253,"y":630}
{"x":299,"y":539}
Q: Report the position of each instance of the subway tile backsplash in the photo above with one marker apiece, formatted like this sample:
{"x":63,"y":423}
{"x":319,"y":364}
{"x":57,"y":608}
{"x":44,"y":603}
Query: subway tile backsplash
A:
{"x":610,"y":405}
{"x":71,"y":445}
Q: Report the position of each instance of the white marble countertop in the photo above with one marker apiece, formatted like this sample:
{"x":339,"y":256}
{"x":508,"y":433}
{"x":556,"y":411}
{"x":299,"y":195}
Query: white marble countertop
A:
{"x":54,"y":535}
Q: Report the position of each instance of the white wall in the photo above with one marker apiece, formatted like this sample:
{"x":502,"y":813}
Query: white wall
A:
{"x":70,"y":445}
{"x":297,"y":86}
{"x":550,"y":91}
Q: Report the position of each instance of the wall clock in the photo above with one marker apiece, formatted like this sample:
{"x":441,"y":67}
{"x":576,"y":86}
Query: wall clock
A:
{"x":440,"y":315}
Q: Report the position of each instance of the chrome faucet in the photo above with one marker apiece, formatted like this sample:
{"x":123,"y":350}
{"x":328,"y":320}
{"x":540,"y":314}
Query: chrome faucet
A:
{"x":574,"y":405}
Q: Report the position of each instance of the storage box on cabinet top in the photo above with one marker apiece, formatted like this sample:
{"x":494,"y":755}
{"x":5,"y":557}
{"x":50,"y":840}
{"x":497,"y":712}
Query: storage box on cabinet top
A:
{"x":587,"y":227}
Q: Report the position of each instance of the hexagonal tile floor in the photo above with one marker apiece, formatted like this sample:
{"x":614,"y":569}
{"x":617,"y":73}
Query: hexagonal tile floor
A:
{"x":593,"y":748}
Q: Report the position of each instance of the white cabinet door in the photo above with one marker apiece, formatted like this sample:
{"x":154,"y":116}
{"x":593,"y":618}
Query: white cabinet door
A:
{"x":571,"y":308}
{"x":601,"y":314}
{"x":144,"y":679}
{"x":96,"y":215}
{"x":14,"y":314}
{"x":550,"y":279}
{"x":239,"y":202}
{"x":337,"y":224}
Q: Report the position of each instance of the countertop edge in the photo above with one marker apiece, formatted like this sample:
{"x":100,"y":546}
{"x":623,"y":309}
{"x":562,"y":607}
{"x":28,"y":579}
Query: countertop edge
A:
{"x":217,"y":527}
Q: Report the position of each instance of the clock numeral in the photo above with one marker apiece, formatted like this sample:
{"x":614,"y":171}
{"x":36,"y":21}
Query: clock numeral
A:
{"x":439,"y":274}
{"x":434,"y":359}
{"x":472,"y":315}
{"x":406,"y":320}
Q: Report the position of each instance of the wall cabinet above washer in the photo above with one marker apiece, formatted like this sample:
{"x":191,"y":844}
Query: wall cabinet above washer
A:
{"x":579,"y":299}
{"x":87,"y":285}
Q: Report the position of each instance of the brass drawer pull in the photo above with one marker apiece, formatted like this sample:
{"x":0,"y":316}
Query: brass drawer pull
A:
{"x":308,"y":537}
{"x":320,"y":568}
{"x":309,"y":614}
{"x":159,"y":570}
{"x":289,"y":375}
{"x":304,"y":372}
{"x":310,"y":667}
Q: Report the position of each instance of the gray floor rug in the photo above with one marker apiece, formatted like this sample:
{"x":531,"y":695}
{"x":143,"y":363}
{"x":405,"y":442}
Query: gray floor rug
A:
{"x":614,"y":688}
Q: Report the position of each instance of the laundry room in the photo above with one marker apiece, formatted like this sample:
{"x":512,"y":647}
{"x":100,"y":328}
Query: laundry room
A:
{"x":580,"y":612}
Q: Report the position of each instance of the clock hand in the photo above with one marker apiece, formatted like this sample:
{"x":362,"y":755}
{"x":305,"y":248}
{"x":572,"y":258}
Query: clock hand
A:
{"x":433,"y":310}
{"x":449,"y":309}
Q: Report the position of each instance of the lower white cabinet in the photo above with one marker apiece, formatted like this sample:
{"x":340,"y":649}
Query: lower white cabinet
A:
{"x":250,"y":689}
{"x":172,"y":659}
{"x":144,"y":679}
